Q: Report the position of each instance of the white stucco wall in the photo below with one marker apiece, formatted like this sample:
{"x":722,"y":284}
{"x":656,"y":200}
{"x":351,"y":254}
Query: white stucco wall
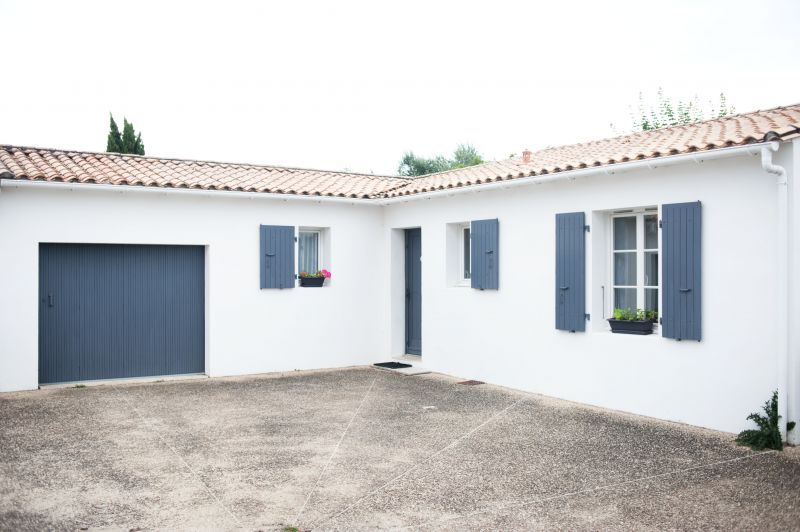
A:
{"x":505,"y":337}
{"x":508,"y":336}
{"x":248,"y":330}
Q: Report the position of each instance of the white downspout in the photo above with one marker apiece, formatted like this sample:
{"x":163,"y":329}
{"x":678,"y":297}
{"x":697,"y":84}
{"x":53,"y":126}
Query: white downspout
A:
{"x":783,"y":279}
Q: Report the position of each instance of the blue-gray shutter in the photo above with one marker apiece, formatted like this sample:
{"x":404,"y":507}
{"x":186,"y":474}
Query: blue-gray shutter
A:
{"x":277,"y":256}
{"x":484,"y":254}
{"x":680,"y":240}
{"x":570,"y":271}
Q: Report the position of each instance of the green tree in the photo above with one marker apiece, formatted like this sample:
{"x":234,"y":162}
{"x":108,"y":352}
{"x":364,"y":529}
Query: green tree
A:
{"x":466,"y":155}
{"x":128,"y":142}
{"x":463,"y":156}
{"x":667,"y":113}
{"x":114,"y":143}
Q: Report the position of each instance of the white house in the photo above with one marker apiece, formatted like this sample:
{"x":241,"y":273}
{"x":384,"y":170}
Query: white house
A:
{"x":122,"y":266}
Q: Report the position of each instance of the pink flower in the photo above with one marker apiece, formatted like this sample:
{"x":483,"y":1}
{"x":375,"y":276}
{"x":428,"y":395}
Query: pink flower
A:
{"x":326,"y":273}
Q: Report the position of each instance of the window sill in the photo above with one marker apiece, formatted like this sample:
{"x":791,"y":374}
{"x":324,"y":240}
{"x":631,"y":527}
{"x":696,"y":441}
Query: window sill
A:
{"x":655,"y":334}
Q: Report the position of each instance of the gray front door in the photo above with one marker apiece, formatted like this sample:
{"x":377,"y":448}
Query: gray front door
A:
{"x":110,"y":311}
{"x":414,"y":291}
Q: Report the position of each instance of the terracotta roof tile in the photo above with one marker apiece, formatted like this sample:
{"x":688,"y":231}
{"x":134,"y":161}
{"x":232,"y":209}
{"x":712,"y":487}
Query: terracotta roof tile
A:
{"x":115,"y":169}
{"x":109,"y":168}
{"x":711,"y":134}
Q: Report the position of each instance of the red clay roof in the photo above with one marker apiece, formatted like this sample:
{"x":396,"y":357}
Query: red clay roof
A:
{"x":701,"y":136}
{"x":42,"y":164}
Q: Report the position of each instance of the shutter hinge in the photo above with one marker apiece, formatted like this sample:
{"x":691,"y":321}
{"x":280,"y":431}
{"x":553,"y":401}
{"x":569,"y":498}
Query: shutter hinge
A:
{"x":295,"y":239}
{"x":660,"y":321}
{"x":587,"y":228}
{"x":588,"y":317}
{"x":660,"y":224}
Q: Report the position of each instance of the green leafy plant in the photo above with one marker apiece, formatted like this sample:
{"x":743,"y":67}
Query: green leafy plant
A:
{"x":768,"y":434}
{"x":627,"y":314}
{"x":79,"y":386}
{"x":667,"y":112}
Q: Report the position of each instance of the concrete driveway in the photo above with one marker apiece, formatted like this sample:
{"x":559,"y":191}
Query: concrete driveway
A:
{"x":364,"y":448}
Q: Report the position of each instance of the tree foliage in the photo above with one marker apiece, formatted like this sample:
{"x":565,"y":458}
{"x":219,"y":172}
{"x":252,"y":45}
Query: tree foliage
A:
{"x":127,"y":142}
{"x":463,"y":156}
{"x":667,"y":113}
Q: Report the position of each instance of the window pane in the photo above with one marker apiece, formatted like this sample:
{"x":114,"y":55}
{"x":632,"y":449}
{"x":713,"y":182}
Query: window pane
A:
{"x":625,"y":298}
{"x":651,"y":231}
{"x":467,"y":255}
{"x":308,"y":252}
{"x":651,"y":268}
{"x":625,"y":268}
{"x":651,"y":299}
{"x":625,"y":233}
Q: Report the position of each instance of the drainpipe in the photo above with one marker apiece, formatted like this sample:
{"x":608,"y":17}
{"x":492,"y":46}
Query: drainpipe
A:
{"x":783,"y":279}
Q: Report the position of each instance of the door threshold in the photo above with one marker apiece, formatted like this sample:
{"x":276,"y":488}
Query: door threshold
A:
{"x":125,"y":380}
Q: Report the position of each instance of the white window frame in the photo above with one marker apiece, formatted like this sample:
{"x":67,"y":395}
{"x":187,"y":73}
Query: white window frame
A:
{"x":639,"y":213}
{"x":319,"y":247}
{"x":461,"y":279}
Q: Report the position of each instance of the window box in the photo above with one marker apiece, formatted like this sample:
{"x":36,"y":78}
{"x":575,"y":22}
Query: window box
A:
{"x":312,"y":282}
{"x":631,"y":326}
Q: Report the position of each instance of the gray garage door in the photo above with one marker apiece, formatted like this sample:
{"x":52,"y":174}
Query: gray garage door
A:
{"x":114,"y":311}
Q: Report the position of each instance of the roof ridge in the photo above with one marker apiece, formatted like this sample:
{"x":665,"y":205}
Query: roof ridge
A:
{"x":195,"y":161}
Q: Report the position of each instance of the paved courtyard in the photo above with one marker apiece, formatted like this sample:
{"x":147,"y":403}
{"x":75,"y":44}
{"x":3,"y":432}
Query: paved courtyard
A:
{"x":364,"y":448}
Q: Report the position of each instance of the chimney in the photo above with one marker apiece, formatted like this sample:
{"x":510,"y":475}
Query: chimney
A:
{"x":526,"y":155}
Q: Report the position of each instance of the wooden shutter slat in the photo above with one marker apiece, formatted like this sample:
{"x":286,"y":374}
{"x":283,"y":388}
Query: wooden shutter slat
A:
{"x":484,"y":254}
{"x":681,"y":297}
{"x":570,"y":287}
{"x":276,"y":261}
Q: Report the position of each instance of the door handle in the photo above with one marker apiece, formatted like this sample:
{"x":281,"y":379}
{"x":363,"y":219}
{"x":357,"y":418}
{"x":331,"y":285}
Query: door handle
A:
{"x":270,"y":254}
{"x":684,"y":290}
{"x":565,"y":288}
{"x":490,"y":251}
{"x":50,"y":300}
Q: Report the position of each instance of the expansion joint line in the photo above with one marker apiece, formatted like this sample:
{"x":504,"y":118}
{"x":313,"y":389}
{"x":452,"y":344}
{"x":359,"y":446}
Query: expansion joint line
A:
{"x":335,"y":450}
{"x":425,"y":461}
{"x":178,"y":455}
{"x":520,"y":504}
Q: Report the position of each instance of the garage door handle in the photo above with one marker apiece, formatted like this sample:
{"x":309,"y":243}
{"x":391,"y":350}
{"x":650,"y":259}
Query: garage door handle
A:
{"x":565,"y":287}
{"x":50,"y":300}
{"x":270,"y":254}
{"x":684,"y":290}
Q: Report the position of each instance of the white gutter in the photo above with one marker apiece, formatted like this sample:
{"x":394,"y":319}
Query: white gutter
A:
{"x":166,"y":191}
{"x":670,"y":160}
{"x":783,"y":280}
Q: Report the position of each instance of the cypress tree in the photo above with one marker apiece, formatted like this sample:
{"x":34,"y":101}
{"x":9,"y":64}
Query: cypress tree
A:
{"x":114,"y":143}
{"x":128,"y":137}
{"x":128,"y":142}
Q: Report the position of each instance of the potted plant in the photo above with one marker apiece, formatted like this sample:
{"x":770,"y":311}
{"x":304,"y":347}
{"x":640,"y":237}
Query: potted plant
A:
{"x":628,"y":321}
{"x":314,"y":279}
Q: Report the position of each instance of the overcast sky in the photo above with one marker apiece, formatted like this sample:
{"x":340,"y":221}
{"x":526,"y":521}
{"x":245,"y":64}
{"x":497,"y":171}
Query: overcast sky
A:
{"x":352,"y":85}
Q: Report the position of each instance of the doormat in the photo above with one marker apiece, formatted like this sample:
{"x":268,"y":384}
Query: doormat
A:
{"x":392,"y":365}
{"x":471,"y":383}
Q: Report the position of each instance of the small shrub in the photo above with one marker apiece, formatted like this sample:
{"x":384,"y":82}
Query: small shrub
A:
{"x":768,"y":434}
{"x":79,"y":386}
